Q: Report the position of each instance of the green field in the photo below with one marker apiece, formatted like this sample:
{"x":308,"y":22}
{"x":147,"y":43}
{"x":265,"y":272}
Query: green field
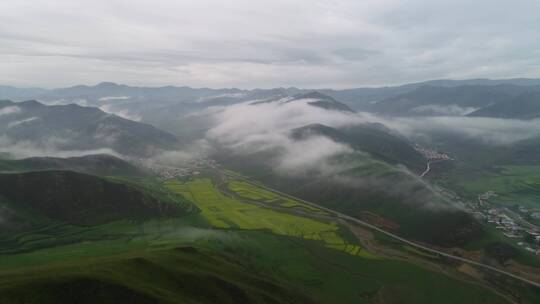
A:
{"x":174,"y":263}
{"x":513,"y":185}
{"x":249,"y":191}
{"x":225,"y":212}
{"x":225,"y":251}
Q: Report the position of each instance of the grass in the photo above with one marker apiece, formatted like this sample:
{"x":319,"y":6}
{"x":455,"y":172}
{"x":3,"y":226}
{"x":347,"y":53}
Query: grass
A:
{"x":250,"y":191}
{"x":229,"y":213}
{"x":513,"y":184}
{"x":492,"y":235}
{"x":172,"y":262}
{"x":231,"y":252}
{"x":420,"y":252}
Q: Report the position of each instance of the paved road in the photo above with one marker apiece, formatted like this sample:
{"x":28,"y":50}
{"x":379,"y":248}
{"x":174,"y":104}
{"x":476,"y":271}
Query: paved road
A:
{"x":396,"y":237}
{"x":428,"y":167}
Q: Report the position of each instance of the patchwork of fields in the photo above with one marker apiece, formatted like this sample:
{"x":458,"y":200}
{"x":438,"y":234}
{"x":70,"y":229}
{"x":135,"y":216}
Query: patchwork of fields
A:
{"x":225,"y":212}
{"x":249,"y":191}
{"x":229,"y":243}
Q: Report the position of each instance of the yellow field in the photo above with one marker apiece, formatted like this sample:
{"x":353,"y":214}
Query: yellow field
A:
{"x":224,"y":212}
{"x":249,"y":191}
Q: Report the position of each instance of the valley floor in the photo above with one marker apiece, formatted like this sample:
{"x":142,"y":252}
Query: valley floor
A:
{"x":245,"y":245}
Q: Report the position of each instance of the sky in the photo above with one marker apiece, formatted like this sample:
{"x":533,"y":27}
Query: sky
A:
{"x":260,"y":43}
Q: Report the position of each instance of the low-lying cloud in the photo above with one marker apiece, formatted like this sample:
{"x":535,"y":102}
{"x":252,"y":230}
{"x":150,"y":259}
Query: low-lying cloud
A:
{"x":22,"y":121}
{"x":9,"y":110}
{"x":124,"y":113}
{"x":447,"y":110}
{"x":491,"y":131}
{"x":255,"y":128}
{"x":50,"y":148}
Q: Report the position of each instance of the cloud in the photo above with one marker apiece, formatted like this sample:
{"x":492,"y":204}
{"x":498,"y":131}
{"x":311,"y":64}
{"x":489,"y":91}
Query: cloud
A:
{"x":261,"y":132}
{"x":267,"y":43}
{"x":50,"y":147}
{"x":310,"y":155}
{"x":78,"y":101}
{"x":493,"y":131}
{"x":22,"y":121}
{"x":449,"y":110}
{"x":9,"y":110}
{"x":124,"y":113}
{"x":108,"y":98}
{"x":247,"y":129}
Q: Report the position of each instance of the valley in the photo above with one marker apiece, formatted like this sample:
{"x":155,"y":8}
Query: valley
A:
{"x":285,"y":199}
{"x":269,"y":152}
{"x":236,"y":216}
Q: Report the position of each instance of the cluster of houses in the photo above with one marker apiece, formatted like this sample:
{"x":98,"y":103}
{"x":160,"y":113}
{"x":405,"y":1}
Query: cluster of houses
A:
{"x":432,"y":154}
{"x":188,"y":168}
{"x":501,"y":218}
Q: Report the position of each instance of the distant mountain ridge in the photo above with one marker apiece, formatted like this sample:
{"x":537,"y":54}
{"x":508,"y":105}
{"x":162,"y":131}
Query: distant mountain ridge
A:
{"x":167,"y":106}
{"x":371,"y":138}
{"x":100,"y":164}
{"x":523,"y":106}
{"x":322,"y":101}
{"x":457,"y":100}
{"x":11,"y":92}
{"x":73,"y":127}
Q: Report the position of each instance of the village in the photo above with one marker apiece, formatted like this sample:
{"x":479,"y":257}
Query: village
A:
{"x":430,"y":154}
{"x":512,"y":224}
{"x":187,"y":168}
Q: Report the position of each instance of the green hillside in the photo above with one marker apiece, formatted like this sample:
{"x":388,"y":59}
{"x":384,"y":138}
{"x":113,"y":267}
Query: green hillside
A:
{"x":238,"y":249}
{"x":82,"y":199}
{"x":100,"y":164}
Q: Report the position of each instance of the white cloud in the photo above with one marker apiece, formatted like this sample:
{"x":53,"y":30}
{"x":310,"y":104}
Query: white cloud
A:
{"x":495,"y":131}
{"x":22,"y":121}
{"x":251,"y":128}
{"x":49,"y":147}
{"x":9,"y":110}
{"x":124,"y":113}
{"x":267,"y":43}
{"x":450,"y":110}
{"x":108,"y":98}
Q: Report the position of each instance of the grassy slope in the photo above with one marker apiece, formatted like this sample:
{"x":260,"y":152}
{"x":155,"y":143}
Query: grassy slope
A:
{"x":151,"y":265}
{"x":148,"y":262}
{"x":82,"y":199}
{"x":513,"y":184}
{"x":224,"y":212}
{"x":364,"y":184}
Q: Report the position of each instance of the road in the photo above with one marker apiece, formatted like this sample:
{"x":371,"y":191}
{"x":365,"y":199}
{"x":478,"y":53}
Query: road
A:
{"x":396,"y":237}
{"x":428,"y":167}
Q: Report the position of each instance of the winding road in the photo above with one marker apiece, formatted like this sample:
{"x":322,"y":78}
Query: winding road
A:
{"x":428,"y":167}
{"x":394,"y":236}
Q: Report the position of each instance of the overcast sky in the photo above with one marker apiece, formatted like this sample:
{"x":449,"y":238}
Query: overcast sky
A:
{"x":259,"y":43}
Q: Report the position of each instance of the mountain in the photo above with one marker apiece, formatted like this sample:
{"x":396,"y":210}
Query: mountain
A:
{"x":9,"y":92}
{"x":322,"y":101}
{"x":373,"y":138}
{"x":73,"y":127}
{"x":100,"y":164}
{"x":165,"y":107}
{"x":455,"y":101}
{"x":82,"y":199}
{"x":524,"y":106}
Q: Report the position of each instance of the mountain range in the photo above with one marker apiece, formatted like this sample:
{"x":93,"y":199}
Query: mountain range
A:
{"x":74,"y":128}
{"x":456,"y":97}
